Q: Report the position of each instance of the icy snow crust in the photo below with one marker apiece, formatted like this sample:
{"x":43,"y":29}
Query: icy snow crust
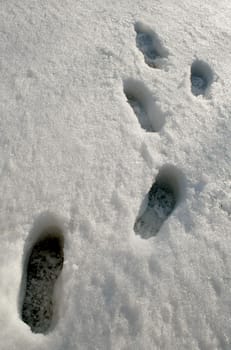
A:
{"x":73,"y":150}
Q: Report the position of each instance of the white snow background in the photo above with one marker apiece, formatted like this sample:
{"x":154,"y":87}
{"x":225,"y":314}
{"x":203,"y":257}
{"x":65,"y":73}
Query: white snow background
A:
{"x":72,"y":146}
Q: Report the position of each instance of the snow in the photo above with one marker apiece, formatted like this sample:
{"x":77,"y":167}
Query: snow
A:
{"x":77,"y":154}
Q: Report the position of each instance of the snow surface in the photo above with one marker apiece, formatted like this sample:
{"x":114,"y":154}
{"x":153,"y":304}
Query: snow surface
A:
{"x":75,"y":155}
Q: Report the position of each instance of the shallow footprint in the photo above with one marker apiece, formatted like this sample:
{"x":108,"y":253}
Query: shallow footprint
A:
{"x":140,"y":98}
{"x":161,"y":200}
{"x":150,"y":45}
{"x":44,"y":266}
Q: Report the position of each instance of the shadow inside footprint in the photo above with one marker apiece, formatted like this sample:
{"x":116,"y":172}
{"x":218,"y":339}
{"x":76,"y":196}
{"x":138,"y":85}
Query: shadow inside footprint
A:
{"x":139,"y":110}
{"x":148,"y":42}
{"x":43,"y":268}
{"x":201,"y":77}
{"x":160,"y":201}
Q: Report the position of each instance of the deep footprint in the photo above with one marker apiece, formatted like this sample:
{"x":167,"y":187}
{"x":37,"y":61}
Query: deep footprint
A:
{"x":150,"y":45}
{"x":162,"y":199}
{"x":44,"y":266}
{"x":201,"y":77}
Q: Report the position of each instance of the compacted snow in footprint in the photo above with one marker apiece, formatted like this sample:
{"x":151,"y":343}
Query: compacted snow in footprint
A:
{"x":43,"y":268}
{"x":115,"y":175}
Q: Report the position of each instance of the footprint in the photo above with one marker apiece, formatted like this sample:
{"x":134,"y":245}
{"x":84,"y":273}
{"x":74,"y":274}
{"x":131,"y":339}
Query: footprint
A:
{"x":160,"y":201}
{"x":201,"y":77}
{"x":150,"y":45}
{"x":43,"y":268}
{"x":144,"y":106}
